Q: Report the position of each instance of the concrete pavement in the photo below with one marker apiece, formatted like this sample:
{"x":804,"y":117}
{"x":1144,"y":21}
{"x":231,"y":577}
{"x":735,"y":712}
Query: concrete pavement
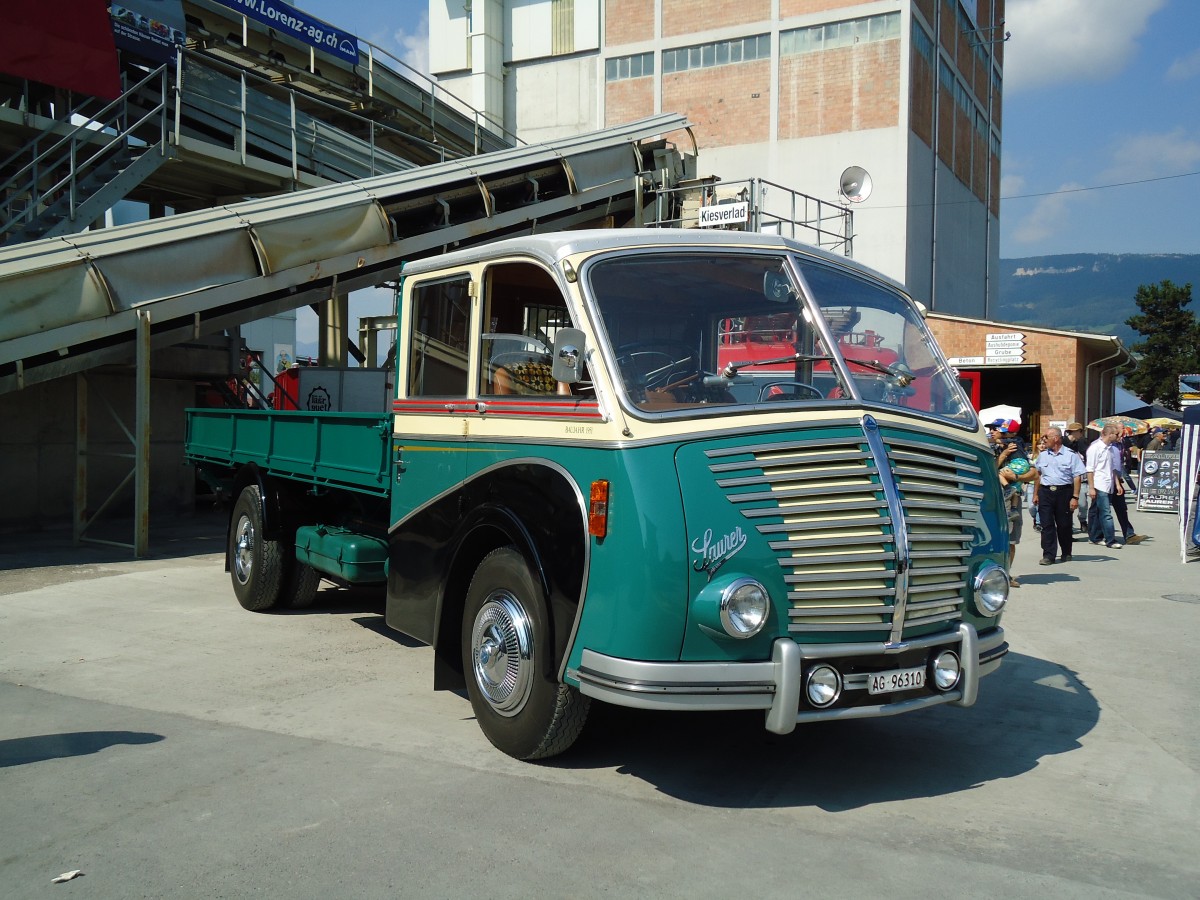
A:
{"x":168,"y":743}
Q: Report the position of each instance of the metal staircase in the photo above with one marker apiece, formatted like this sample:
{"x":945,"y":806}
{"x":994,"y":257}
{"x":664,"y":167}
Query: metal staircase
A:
{"x":70,"y":179}
{"x":201,"y":116}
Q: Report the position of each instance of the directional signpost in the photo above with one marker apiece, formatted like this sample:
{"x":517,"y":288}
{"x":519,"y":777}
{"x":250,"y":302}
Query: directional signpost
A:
{"x":1004,"y":348}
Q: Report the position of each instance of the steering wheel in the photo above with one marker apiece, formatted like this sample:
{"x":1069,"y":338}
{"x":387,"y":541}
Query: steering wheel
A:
{"x":657,"y":365}
{"x":776,"y":391}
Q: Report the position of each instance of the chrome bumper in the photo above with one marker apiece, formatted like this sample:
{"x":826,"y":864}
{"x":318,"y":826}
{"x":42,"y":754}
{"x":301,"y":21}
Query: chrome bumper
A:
{"x":774,"y":685}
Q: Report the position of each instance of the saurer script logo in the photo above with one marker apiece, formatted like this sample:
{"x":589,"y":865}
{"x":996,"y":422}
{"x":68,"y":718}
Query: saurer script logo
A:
{"x":715,"y":553}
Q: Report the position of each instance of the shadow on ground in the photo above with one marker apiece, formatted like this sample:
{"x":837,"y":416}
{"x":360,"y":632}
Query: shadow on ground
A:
{"x":186,"y":535}
{"x":38,"y":748}
{"x":1028,"y":710}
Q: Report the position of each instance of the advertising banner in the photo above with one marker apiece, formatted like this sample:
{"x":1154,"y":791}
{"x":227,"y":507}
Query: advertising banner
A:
{"x":300,"y":25}
{"x":150,"y":28}
{"x":64,"y":45}
{"x":1158,"y":481}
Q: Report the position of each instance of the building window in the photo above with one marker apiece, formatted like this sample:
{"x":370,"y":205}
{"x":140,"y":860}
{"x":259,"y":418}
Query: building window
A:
{"x":622,"y":67}
{"x":720,"y":53}
{"x":922,"y":43}
{"x":562,"y":27}
{"x":840,"y":34}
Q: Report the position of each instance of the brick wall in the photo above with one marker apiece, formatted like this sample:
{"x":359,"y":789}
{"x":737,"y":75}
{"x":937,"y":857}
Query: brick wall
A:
{"x":721,"y":102}
{"x":789,"y":8}
{"x":926,"y":7}
{"x":625,"y":101}
{"x":964,"y":127}
{"x":979,"y":163}
{"x":846,"y":89}
{"x":945,"y":126}
{"x":687,"y":16}
{"x":920,"y":99}
{"x":626,"y":21}
{"x":1059,"y":356}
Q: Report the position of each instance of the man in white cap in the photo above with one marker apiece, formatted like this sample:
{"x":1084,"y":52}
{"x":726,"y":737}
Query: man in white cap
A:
{"x":1059,"y":472}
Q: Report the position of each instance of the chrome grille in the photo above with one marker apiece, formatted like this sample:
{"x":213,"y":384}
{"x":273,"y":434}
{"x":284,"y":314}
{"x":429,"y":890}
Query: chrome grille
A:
{"x":820,"y":503}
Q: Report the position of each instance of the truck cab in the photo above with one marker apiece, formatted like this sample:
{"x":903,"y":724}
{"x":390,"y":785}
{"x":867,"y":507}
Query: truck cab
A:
{"x":724,"y":471}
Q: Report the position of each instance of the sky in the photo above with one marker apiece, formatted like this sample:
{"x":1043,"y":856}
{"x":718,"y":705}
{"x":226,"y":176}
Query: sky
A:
{"x":1101,"y":118}
{"x":1096,"y":93}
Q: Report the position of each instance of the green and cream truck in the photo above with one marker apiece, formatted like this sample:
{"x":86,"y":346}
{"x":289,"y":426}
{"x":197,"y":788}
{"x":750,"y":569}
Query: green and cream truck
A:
{"x":666,"y":469}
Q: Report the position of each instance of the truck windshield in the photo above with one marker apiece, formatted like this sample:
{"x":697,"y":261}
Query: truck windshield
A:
{"x":691,"y":332}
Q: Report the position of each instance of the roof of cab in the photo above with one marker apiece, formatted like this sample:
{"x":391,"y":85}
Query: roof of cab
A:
{"x":551,"y":247}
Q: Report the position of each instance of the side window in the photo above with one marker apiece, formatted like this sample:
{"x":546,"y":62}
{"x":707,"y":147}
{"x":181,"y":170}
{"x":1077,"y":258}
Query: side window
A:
{"x":438,"y":357}
{"x":523,"y":310}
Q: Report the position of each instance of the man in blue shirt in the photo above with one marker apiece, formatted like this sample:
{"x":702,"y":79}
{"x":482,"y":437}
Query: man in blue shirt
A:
{"x":1059,"y":470}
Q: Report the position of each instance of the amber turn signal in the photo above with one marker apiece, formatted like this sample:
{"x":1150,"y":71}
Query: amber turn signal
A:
{"x":598,"y":510}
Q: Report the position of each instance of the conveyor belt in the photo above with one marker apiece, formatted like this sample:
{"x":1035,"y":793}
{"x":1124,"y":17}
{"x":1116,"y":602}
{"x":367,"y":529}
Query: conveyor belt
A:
{"x":70,"y":303}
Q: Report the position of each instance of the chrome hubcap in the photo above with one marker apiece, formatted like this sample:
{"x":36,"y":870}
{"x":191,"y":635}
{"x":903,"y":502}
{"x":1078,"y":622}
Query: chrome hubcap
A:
{"x":502,"y":653}
{"x":243,"y":549}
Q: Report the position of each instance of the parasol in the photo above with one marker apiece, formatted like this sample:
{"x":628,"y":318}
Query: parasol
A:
{"x":1137,"y":426}
{"x":1162,"y":422}
{"x":992,"y":413}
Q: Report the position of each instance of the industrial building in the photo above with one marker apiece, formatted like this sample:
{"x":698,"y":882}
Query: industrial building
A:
{"x":891,"y":108}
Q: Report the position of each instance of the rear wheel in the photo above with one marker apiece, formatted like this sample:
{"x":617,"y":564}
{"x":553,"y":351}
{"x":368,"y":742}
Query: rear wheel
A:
{"x":519,"y":704}
{"x":300,"y":586}
{"x":255,"y":564}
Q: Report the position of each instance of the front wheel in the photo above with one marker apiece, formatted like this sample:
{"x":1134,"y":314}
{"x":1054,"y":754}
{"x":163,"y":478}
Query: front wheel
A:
{"x":519,"y":704}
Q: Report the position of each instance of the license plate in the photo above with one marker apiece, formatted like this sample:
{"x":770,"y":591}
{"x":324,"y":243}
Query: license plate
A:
{"x":896,"y":680}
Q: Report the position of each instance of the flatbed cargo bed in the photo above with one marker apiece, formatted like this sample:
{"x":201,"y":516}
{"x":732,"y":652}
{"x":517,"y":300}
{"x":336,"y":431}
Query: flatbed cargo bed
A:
{"x":347,"y":450}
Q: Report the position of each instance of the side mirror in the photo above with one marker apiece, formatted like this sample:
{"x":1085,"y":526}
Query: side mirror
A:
{"x":570,"y":351}
{"x":777,"y":288}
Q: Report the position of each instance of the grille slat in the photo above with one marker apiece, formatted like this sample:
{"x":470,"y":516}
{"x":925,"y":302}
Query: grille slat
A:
{"x":798,"y":493}
{"x":822,"y":503}
{"x":813,"y":508}
{"x":907,"y":471}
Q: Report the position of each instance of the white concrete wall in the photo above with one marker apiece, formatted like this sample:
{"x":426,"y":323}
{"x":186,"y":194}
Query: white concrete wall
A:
{"x":530,"y":32}
{"x":447,"y":36}
{"x":553,"y":99}
{"x":814,"y":166}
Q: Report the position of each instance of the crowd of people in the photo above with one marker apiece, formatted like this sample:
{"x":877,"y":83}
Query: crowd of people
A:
{"x":1068,"y":477}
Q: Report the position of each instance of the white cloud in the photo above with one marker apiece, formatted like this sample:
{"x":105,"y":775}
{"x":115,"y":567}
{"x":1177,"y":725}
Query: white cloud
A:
{"x":1152,"y":155}
{"x":1048,"y":219}
{"x":1012,"y":184}
{"x":1063,"y":41}
{"x":1185,"y":67}
{"x":414,"y":45}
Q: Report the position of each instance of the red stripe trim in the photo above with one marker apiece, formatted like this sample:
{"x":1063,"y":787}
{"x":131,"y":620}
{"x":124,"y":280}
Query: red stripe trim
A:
{"x":547,"y":408}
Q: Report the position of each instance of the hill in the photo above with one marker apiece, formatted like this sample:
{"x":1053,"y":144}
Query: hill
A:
{"x":1087,"y":291}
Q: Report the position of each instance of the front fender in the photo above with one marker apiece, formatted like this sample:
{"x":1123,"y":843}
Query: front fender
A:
{"x":533,"y":505}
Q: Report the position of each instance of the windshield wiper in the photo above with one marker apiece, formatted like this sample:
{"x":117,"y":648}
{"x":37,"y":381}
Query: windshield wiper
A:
{"x":731,"y":369}
{"x":903,"y":374}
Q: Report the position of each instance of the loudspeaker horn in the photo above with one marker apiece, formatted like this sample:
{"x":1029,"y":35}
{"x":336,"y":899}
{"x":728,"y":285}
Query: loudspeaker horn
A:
{"x":855,"y":184}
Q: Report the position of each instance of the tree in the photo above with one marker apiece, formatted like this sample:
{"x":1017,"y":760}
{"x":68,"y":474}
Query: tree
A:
{"x":1172,"y":344}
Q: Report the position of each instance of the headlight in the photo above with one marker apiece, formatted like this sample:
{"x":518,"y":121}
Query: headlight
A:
{"x":745,"y":606}
{"x":991,"y":590}
{"x":822,"y":685}
{"x":945,"y":670}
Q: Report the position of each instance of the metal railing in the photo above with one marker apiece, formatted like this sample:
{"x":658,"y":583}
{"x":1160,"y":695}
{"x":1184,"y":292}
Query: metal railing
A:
{"x":481,"y":121}
{"x":198,"y":96}
{"x":770,"y":207}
